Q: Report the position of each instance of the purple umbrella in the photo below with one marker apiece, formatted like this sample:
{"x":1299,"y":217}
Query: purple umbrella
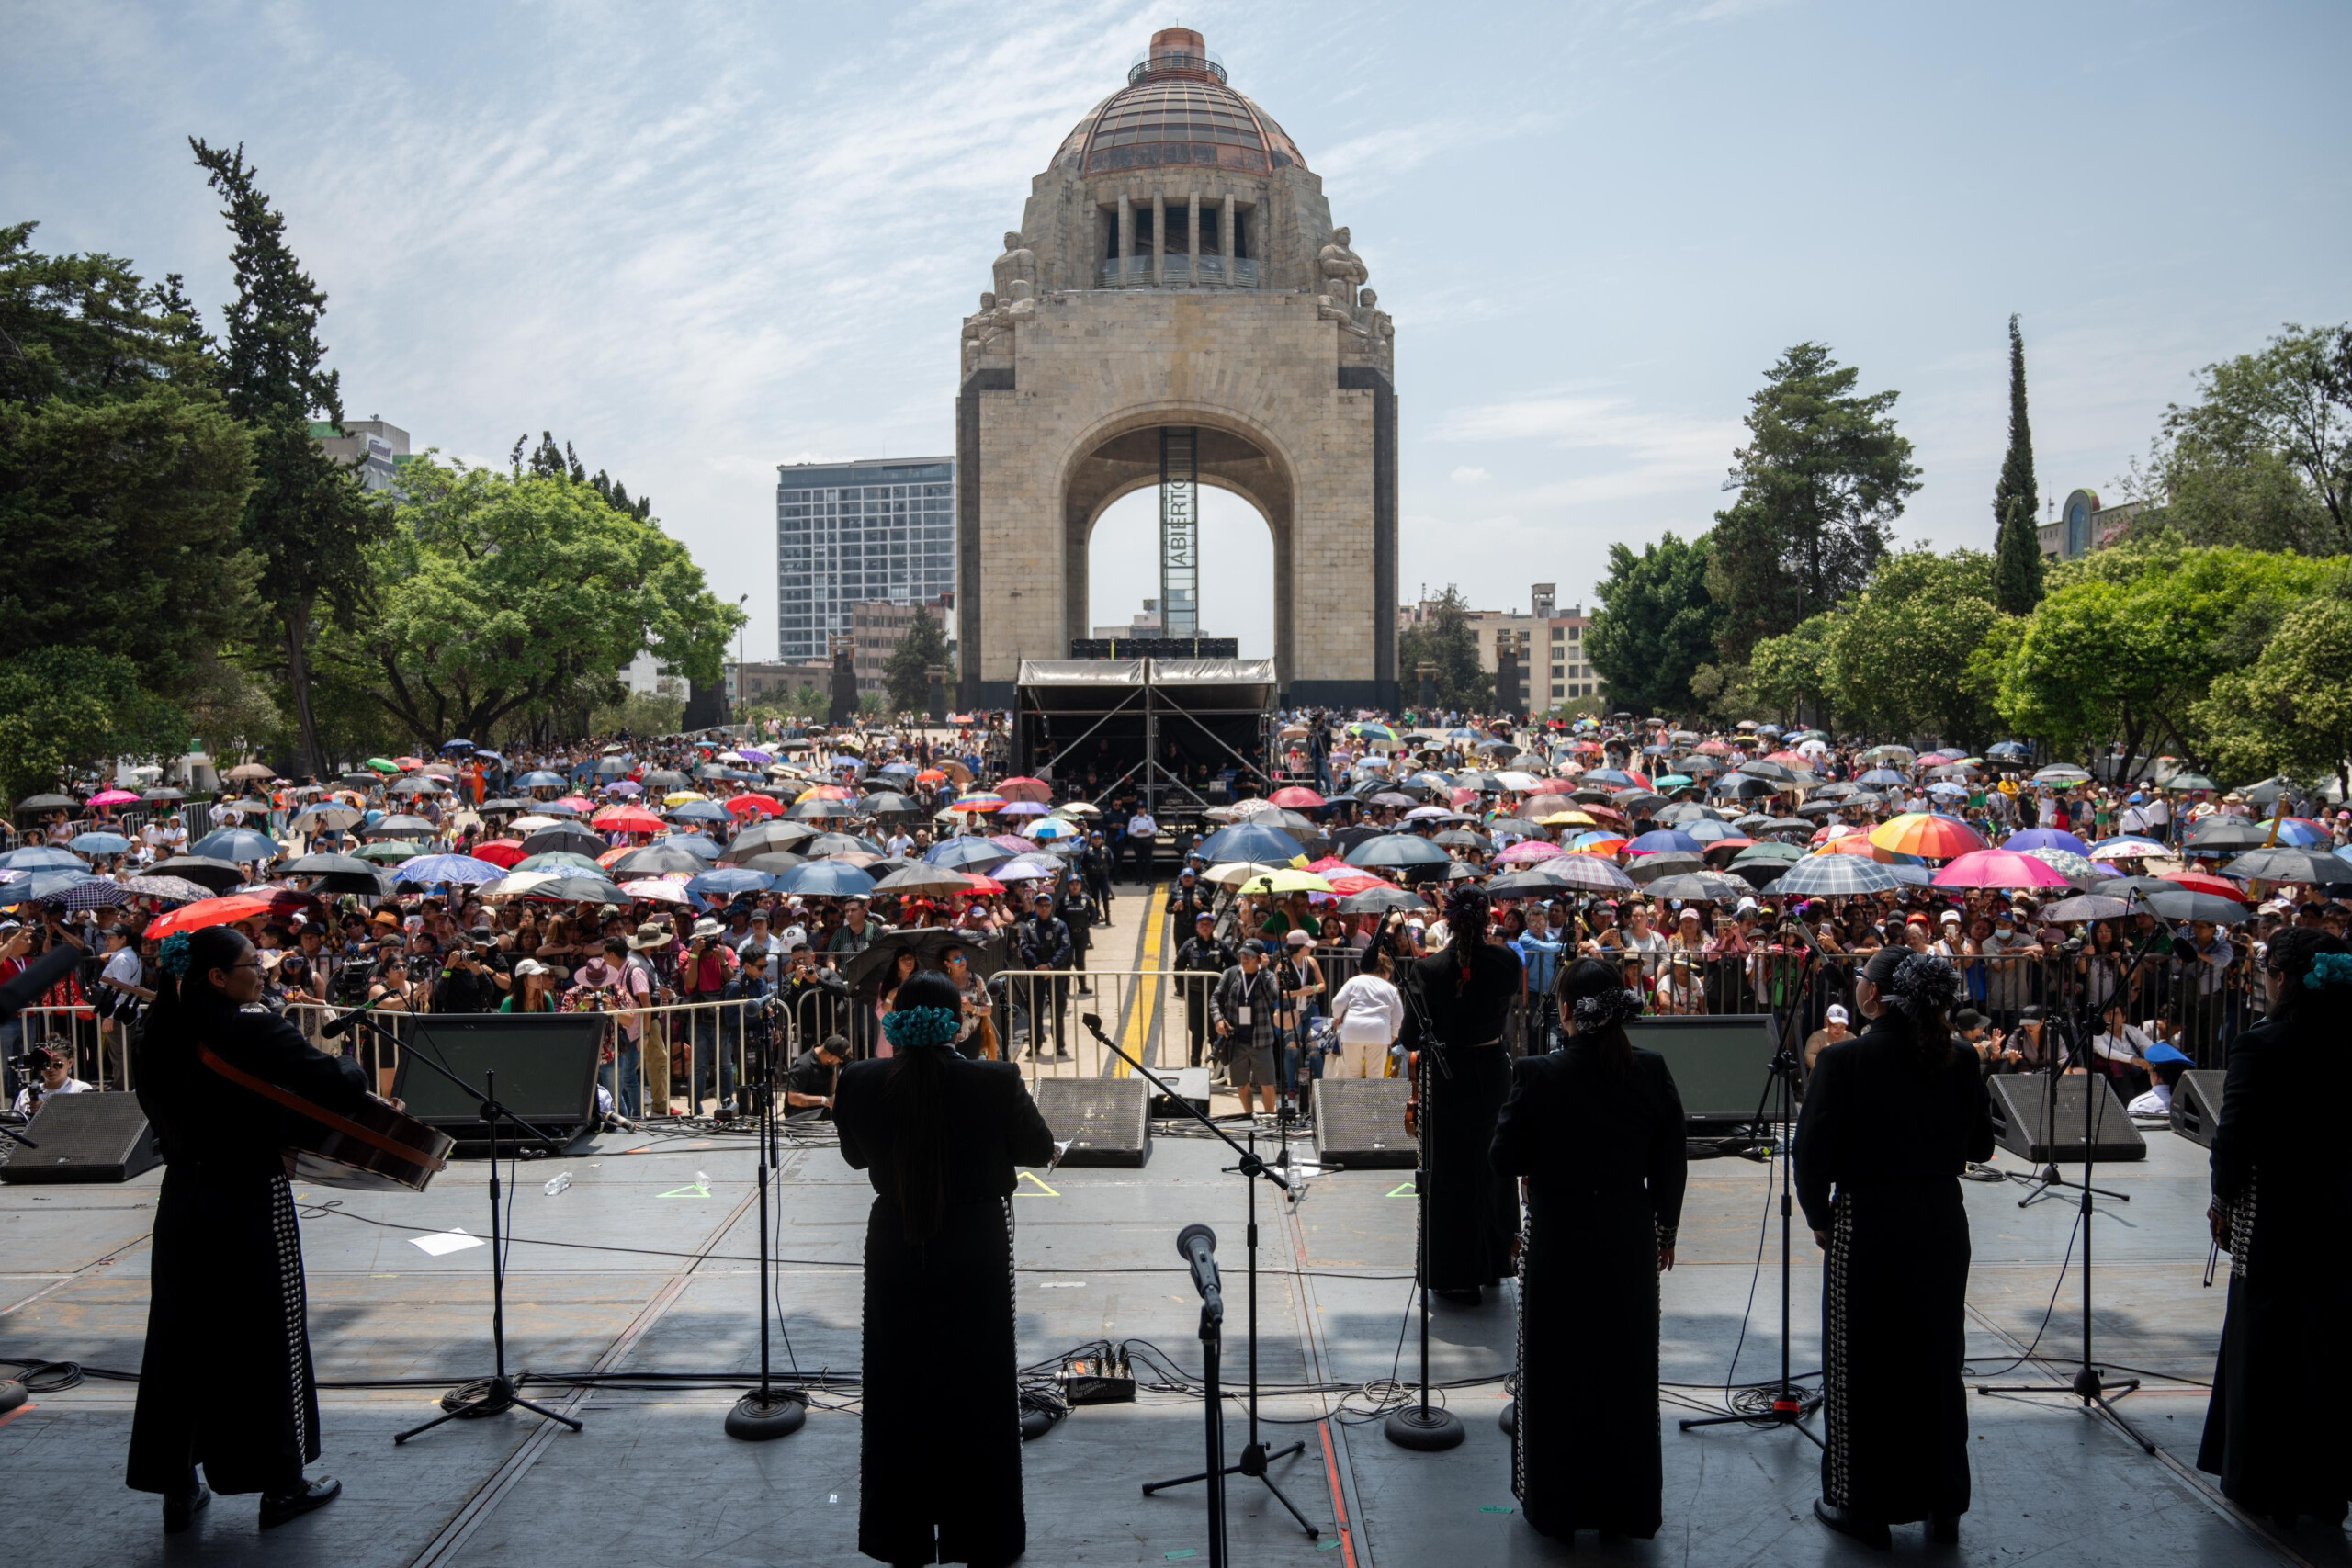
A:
{"x":2045,"y":839}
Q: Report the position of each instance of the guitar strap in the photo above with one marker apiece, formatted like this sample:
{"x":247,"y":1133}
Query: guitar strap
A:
{"x":316,"y":1112}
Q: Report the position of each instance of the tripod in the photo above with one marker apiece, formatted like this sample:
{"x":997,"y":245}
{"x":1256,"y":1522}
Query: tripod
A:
{"x":766,"y":1412}
{"x":2093,"y":1394}
{"x":1791,"y":1404}
{"x":1255,"y":1456}
{"x":499,"y":1393}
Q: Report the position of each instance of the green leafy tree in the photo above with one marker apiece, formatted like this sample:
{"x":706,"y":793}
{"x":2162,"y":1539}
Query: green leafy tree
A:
{"x":639,"y":712}
{"x":1446,"y":641}
{"x":1788,"y":676}
{"x":808,"y":701}
{"x":906,"y":674}
{"x":2016,"y":572}
{"x":306,"y":519}
{"x":1899,"y":652}
{"x":65,"y":710}
{"x":2126,"y":645}
{"x":496,"y":595}
{"x":2292,"y":712}
{"x":122,"y":475}
{"x":2263,"y":458}
{"x":1655,"y":624}
{"x":1820,"y":482}
{"x":549,"y":461}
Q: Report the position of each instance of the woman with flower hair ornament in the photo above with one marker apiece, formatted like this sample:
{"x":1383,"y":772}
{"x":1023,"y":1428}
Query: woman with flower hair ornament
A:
{"x":939,"y":1137}
{"x":226,"y":1286}
{"x":1891,"y":1118}
{"x":2282,"y":1205}
{"x":1596,"y":1129}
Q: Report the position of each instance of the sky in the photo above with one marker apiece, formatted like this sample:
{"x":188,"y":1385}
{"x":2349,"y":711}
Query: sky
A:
{"x":698,"y":241}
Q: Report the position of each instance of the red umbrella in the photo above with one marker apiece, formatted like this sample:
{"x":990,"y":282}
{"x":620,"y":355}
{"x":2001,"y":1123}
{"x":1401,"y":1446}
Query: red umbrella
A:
{"x":2206,"y":882}
{"x":229,"y":909}
{"x":984,"y":884}
{"x":499,"y":852}
{"x":1038,"y":790}
{"x":1298,"y":798}
{"x":627,"y":820}
{"x":754,"y":806}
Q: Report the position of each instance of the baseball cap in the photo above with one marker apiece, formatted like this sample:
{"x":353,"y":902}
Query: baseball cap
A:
{"x":1837,"y":1013}
{"x":1950,"y":918}
{"x":1296,"y":938}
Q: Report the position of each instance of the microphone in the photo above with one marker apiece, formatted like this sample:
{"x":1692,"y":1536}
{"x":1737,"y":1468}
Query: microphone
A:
{"x":1092,"y":1020}
{"x":1196,"y":1245}
{"x":344,"y":1024}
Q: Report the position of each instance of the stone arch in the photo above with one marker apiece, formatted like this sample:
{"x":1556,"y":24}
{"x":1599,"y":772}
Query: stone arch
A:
{"x":1119,"y":455}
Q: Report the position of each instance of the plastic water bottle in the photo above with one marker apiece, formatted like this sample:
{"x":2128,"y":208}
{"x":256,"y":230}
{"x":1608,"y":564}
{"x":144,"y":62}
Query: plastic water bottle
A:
{"x":559,"y":1184}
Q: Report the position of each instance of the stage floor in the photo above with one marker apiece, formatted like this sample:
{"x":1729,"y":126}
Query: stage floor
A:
{"x":654,"y":1480}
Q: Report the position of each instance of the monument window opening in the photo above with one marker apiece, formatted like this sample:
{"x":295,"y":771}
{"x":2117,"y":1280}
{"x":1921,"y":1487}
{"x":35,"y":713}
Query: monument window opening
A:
{"x":1234,"y":569}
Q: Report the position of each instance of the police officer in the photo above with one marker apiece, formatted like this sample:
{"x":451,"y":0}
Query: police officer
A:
{"x":1199,"y":960}
{"x":1042,"y":941}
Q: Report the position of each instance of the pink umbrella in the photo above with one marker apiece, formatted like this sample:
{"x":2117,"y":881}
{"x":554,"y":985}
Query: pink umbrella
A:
{"x":1999,"y":868}
{"x":1527,"y":851}
{"x":114,"y":798}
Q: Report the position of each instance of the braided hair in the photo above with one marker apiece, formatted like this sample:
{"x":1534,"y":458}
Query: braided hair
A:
{"x":185,"y":958}
{"x":1468,"y":911}
{"x":1920,"y":989}
{"x":926,"y":1012}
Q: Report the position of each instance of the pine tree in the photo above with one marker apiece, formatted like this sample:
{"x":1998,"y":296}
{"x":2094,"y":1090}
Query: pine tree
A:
{"x":306,"y":521}
{"x":907,"y":674}
{"x":2017,"y":565}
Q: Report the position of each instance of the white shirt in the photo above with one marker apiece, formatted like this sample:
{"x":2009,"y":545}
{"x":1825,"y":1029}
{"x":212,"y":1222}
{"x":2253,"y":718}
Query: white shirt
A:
{"x":2129,"y":1045}
{"x":25,"y":1095}
{"x":2157,"y":1101}
{"x":1141,"y":826}
{"x":1368,"y":1009}
{"x":899,"y":844}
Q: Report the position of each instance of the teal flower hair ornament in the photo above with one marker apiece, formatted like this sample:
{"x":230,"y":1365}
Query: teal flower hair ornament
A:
{"x":2329,"y":969}
{"x":174,"y":955}
{"x":911,"y":1028}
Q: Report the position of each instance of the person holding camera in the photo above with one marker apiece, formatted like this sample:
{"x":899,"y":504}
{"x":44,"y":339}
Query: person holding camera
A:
{"x":48,"y":1070}
{"x":465,"y":983}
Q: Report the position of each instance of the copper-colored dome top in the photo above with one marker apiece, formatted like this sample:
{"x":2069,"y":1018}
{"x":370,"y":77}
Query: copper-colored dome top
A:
{"x":1177,"y":112}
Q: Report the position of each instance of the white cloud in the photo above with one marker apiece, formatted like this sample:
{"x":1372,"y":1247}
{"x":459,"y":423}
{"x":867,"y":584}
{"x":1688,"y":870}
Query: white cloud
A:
{"x":1467,"y":476}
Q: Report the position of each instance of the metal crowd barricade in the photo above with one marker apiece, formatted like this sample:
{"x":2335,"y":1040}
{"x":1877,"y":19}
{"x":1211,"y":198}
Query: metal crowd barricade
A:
{"x":1159,"y":1016}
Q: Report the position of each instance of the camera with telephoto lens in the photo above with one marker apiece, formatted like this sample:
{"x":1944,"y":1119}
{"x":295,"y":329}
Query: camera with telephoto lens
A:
{"x":40,"y":1059}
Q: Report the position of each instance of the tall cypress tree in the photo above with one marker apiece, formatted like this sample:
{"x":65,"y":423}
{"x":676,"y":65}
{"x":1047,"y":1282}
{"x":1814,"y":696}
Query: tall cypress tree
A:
{"x":2017,"y":563}
{"x":307,"y":519}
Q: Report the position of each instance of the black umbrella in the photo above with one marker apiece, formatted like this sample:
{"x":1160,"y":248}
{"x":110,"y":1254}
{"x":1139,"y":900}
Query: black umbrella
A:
{"x":2087,"y":907}
{"x":566,"y":836}
{"x":839,"y":843}
{"x":1462,"y":839}
{"x":1744,"y":786}
{"x":489,"y":807}
{"x":1380,"y":901}
{"x":928,"y":943}
{"x":2229,"y":833}
{"x":773,"y":861}
{"x":1702,"y":886}
{"x":2282,"y":864}
{"x":581,"y":889}
{"x":327,"y":865}
{"x":48,"y":803}
{"x":1397,"y":851}
{"x":889,"y":803}
{"x":665,"y":781}
{"x":817,"y":810}
{"x":766,"y":837}
{"x":1683,"y":811}
{"x":656,"y":860}
{"x":398,"y":828}
{"x":218,"y":875}
{"x":2176,"y":903}
{"x":1666,"y":863}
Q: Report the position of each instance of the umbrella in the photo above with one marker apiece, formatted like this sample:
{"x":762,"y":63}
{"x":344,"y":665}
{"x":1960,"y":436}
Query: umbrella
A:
{"x":2073,"y":867}
{"x":746,"y":805}
{"x":826,"y":879}
{"x":1666,"y":863}
{"x":1662,"y":839}
{"x":328,"y":817}
{"x":1838,"y":877}
{"x":1999,"y":868}
{"x":565,"y":836}
{"x":826,"y":844}
{"x":577,"y":890}
{"x":1925,"y":834}
{"x":2279,"y":864}
{"x":1528,"y":852}
{"x":2045,"y":839}
{"x":216,"y":874}
{"x":967,"y":852}
{"x":766,"y":837}
{"x":114,"y":798}
{"x":327,"y":865}
{"x":1703,"y":887}
{"x":2187,"y":781}
{"x":427,"y":869}
{"x":2005,"y":749}
{"x":48,"y":803}
{"x":627,"y":819}
{"x":545,"y":780}
{"x":2218,"y":832}
{"x":562,"y":862}
{"x":925,"y":879}
{"x":2203,"y":882}
{"x":1298,"y":798}
{"x":1884,"y":776}
{"x":162,"y":795}
{"x":68,"y":889}
{"x":1026,"y":789}
{"x":656,"y":859}
{"x":658,"y":890}
{"x":929,"y":944}
{"x":42,"y":857}
{"x":241,"y":845}
{"x":499,"y":852}
{"x":728,"y":880}
{"x":416,"y":783}
{"x":983,"y":803}
{"x":1396,"y":850}
{"x":1589,"y":874}
{"x":398,"y":828}
{"x":1253,"y":842}
{"x":245,"y":770}
{"x":2186,"y":904}
{"x":2126,"y":848}
{"x":2062,"y":774}
{"x":813,"y":810}
{"x":392,"y":851}
{"x":2087,"y":907}
{"x":1380,"y":901}
{"x":702,"y":811}
{"x":694,"y":845}
{"x":1286,"y":880}
{"x":229,"y":909}
{"x":174,"y":889}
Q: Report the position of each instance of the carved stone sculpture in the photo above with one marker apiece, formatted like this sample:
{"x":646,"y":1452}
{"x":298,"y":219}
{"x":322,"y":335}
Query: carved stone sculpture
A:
{"x":1019,"y":264}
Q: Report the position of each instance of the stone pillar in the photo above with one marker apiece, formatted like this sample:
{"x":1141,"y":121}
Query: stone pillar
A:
{"x":1126,"y":236}
{"x":1224,"y":238}
{"x":1192,"y":235}
{"x":1159,"y":238}
{"x":1427,"y":703}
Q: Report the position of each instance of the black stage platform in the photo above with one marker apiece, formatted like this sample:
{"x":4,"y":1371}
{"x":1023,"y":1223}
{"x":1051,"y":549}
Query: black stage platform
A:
{"x":653,"y":1480}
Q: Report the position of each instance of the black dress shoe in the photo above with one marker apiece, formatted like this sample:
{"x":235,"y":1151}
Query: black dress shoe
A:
{"x":1870,"y":1532}
{"x":277,"y":1510}
{"x":180,"y":1508}
{"x":1468,"y":1298}
{"x":1944,"y":1529}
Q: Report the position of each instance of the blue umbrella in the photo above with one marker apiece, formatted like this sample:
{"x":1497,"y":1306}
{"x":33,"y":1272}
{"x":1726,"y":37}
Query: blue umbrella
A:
{"x":693,"y":843}
{"x":1392,"y":850}
{"x":826,"y":879}
{"x":729,"y":879}
{"x":540,"y":780}
{"x":965,"y":853}
{"x":239,"y":845}
{"x":699,"y":811}
{"x":2045,"y":839}
{"x":1253,"y":842}
{"x":1663,"y":840}
{"x":554,"y":808}
{"x":40,"y":859}
{"x":1608,"y":776}
{"x":459,"y":745}
{"x":2005,"y":749}
{"x":99,"y":844}
{"x":1707,"y":832}
{"x":1947,"y":789}
{"x":73,"y":889}
{"x":1883,"y":776}
{"x":465,"y":869}
{"x":1835,"y":876}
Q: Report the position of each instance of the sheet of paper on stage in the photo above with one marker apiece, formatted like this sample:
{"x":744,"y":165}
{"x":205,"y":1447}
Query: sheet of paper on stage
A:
{"x":443,"y":1243}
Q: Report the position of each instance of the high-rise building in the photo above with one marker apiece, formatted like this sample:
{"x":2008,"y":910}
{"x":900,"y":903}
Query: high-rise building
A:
{"x":846,"y":533}
{"x":372,"y":448}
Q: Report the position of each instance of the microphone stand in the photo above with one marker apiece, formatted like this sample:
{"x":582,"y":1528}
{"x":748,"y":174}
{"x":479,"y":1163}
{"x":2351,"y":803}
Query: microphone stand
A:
{"x":1423,"y":1427}
{"x":767,"y":1413}
{"x":500,"y":1393}
{"x":1255,"y":1458}
{"x":1212,"y":1350}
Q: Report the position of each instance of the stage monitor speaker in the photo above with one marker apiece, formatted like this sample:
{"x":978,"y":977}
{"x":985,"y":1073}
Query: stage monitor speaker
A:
{"x":1359,"y":1125}
{"x":1104,"y":1121}
{"x":2024,"y":1124}
{"x":1192,"y":1087}
{"x":83,"y":1137}
{"x":545,"y":1063}
{"x":2197,"y":1105}
{"x":1721,"y":1064}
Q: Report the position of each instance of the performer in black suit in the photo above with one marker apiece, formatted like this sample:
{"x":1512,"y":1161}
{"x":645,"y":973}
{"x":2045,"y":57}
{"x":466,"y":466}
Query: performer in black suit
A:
{"x":939,"y":1137}
{"x":1596,"y":1128}
{"x":2266,"y":1434}
{"x":225,"y":1383}
{"x":1891,"y":1117}
{"x":1456,"y":1002}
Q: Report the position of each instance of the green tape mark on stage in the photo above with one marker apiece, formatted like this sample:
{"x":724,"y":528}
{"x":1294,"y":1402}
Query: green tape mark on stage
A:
{"x":1328,"y":1546}
{"x":1180,"y":1556}
{"x":1403,"y":1191}
{"x":697,"y":1190}
{"x":1495,"y":1509}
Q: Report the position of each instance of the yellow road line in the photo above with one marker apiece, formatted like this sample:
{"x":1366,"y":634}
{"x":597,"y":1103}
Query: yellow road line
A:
{"x":1140,"y":1003}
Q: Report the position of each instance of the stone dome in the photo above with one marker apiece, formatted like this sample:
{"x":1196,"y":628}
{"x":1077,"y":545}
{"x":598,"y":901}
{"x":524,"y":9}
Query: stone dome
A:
{"x":1177,"y":112}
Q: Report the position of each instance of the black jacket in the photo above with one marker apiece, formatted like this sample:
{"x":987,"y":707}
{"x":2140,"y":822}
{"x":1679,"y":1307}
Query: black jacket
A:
{"x":992,"y":1127}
